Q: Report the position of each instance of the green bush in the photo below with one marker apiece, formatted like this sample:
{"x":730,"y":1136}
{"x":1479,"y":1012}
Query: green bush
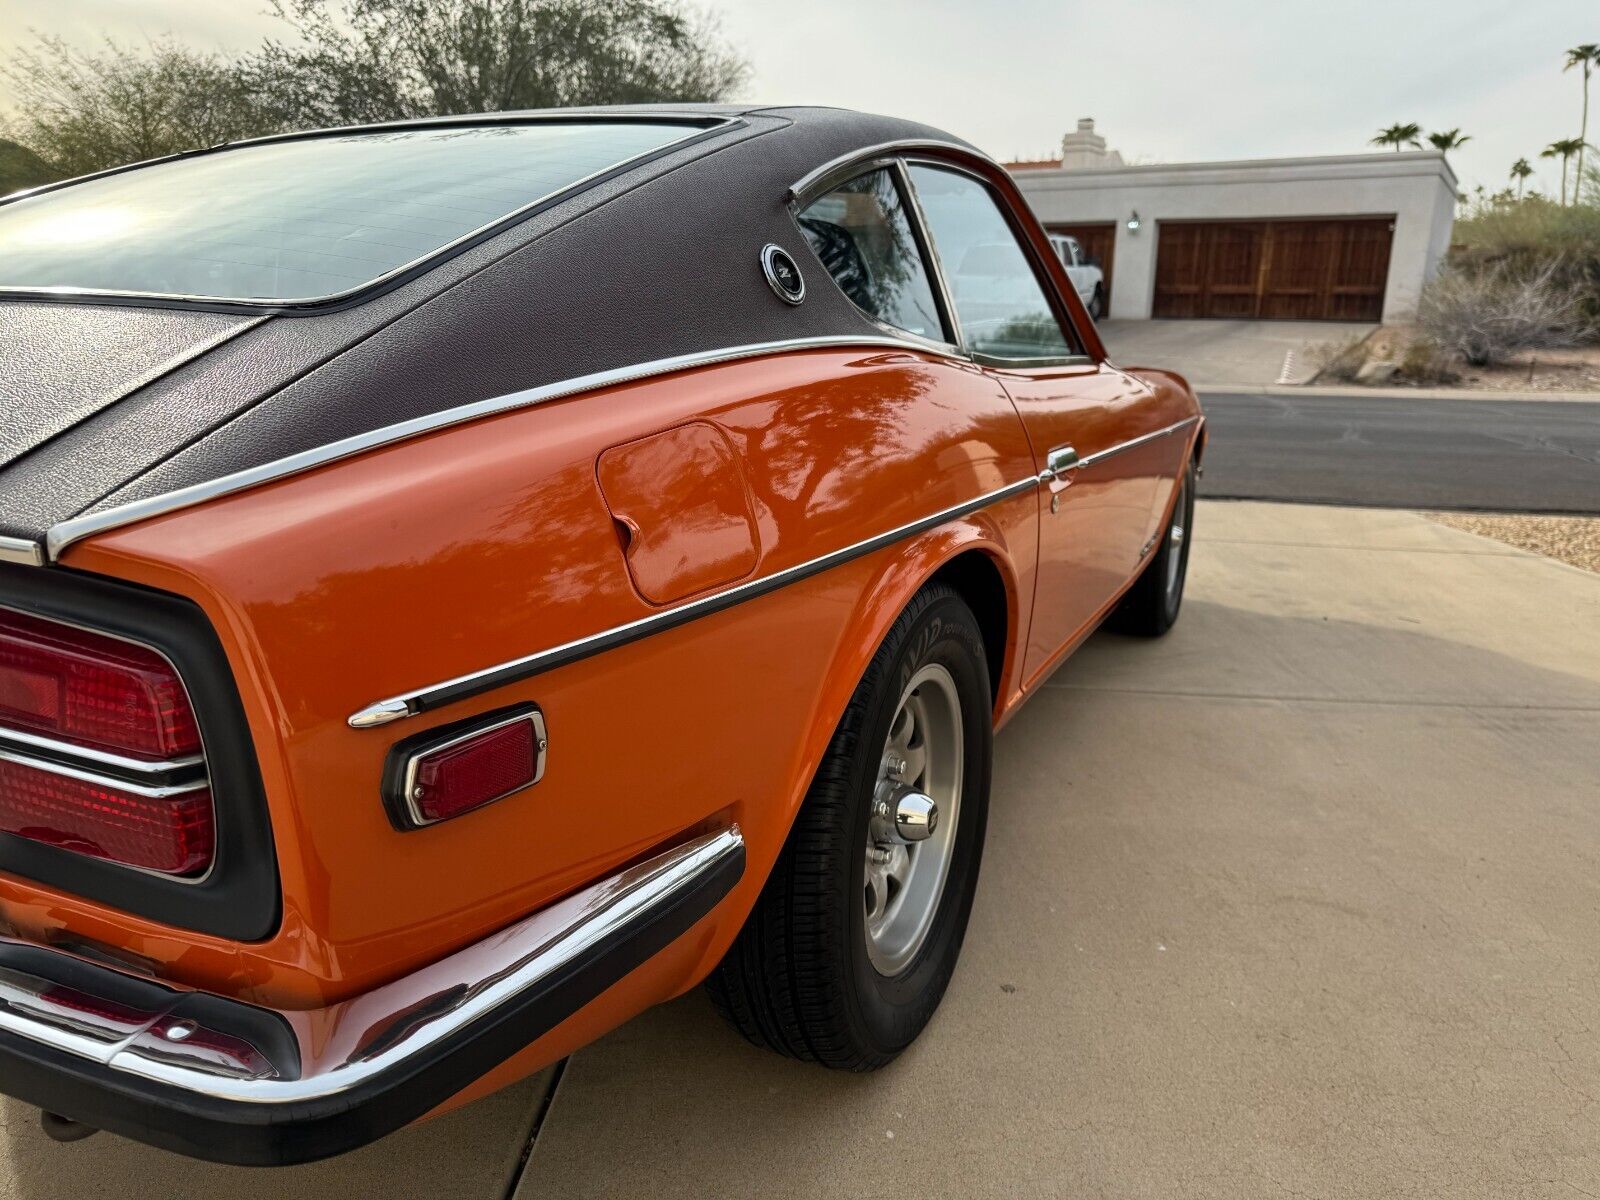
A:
{"x":1529,"y":237}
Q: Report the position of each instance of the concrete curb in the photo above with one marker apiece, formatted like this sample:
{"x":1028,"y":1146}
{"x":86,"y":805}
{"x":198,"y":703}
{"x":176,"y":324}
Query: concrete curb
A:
{"x":1373,"y":393}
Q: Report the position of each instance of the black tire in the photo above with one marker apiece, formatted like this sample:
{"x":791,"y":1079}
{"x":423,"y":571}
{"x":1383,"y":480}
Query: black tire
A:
{"x":1097,"y":302}
{"x":1151,"y":605}
{"x":799,"y":979}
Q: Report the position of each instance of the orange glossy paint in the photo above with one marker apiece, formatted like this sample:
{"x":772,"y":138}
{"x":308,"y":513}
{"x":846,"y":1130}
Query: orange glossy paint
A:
{"x":464,"y":548}
{"x":683,"y":505}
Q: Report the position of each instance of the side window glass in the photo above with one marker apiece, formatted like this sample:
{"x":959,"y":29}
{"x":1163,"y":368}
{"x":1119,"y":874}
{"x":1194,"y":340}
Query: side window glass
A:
{"x":1002,"y":306}
{"x":861,"y":233}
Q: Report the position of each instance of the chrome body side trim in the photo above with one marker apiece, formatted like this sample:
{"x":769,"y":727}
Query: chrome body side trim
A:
{"x":1099,"y":456}
{"x":407,"y":704}
{"x":23,"y":551}
{"x":64,"y":534}
{"x":382,"y":1034}
{"x":394,"y":708}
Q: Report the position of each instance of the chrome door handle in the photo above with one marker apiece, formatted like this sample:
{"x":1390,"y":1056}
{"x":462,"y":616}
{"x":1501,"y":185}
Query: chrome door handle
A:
{"x":1061,"y":460}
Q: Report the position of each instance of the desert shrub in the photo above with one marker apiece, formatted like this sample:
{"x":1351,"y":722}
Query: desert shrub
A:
{"x":1337,"y":362}
{"x":1426,"y":362}
{"x":1489,"y":312}
{"x":1529,"y":235}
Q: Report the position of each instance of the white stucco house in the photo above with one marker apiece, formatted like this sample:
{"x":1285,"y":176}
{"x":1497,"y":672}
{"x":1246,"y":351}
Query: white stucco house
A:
{"x":1344,"y":237}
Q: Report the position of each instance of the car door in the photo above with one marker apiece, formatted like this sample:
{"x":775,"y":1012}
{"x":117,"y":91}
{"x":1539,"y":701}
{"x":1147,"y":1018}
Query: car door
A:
{"x":1083,"y":418}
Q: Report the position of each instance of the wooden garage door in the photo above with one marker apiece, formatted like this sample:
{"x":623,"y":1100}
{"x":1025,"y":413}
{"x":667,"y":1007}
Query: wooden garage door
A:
{"x":1328,"y":270}
{"x":1099,"y":243}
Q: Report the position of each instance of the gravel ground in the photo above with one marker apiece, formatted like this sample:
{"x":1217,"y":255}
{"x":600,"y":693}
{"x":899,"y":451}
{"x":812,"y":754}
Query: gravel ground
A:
{"x":1574,"y":540}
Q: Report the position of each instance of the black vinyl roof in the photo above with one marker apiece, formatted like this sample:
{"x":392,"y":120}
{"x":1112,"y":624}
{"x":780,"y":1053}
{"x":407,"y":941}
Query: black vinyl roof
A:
{"x":110,"y":400}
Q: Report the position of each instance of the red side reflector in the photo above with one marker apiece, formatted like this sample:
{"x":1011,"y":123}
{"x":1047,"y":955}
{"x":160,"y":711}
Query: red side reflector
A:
{"x":175,"y":835}
{"x":91,"y":690}
{"x":474,"y":771}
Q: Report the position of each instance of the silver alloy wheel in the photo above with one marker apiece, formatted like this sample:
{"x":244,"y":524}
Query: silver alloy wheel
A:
{"x":923,"y":757}
{"x":1175,"y":536}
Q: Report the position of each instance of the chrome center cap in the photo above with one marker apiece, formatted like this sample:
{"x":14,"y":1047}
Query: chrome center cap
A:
{"x":916,"y":816}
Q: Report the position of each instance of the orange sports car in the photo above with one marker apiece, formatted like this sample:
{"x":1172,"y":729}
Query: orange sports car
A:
{"x":463,"y":582}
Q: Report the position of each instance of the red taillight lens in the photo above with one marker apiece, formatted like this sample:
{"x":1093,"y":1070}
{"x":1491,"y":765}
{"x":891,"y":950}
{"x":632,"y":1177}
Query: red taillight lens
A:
{"x":455,"y":779}
{"x":172,"y":834}
{"x":91,"y":690}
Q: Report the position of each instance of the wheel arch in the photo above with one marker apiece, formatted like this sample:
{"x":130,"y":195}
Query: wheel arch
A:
{"x":978,"y":579}
{"x":973,"y":556}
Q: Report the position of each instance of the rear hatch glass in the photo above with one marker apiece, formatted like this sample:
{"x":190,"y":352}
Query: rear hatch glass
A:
{"x":304,"y":220}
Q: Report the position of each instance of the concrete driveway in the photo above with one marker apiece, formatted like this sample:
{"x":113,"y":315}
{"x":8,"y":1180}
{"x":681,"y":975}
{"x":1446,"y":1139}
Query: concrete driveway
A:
{"x":1213,"y":353}
{"x":1301,"y":900}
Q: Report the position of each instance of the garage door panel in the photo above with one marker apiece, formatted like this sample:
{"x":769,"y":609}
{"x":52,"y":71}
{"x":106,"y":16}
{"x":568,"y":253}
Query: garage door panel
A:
{"x":1323,"y":269}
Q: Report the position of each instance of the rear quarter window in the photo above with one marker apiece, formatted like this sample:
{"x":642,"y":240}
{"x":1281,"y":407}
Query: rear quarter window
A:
{"x":305,"y":219}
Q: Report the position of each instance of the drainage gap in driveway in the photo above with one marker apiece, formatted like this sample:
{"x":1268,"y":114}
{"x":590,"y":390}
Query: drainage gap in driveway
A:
{"x":556,"y":1074}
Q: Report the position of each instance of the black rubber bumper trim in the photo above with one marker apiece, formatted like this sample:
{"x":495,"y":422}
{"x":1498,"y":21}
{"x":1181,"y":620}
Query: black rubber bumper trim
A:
{"x":256,"y":1134}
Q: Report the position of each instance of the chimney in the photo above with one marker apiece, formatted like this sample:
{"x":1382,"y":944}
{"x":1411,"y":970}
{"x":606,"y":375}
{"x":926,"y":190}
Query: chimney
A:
{"x":1085,"y":150}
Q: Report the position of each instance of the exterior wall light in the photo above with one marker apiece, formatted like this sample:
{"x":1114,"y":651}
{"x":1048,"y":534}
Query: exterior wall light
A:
{"x":1133,"y":222}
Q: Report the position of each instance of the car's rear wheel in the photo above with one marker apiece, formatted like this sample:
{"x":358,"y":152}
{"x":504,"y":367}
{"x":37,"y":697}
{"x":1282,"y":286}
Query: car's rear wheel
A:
{"x":856,"y":934}
{"x":1152,"y":604}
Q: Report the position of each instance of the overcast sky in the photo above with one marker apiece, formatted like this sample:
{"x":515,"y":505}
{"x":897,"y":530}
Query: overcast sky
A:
{"x":1165,"y":80}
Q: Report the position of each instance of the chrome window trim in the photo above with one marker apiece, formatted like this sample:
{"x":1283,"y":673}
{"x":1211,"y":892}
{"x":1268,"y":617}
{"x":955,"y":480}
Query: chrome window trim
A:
{"x":908,"y":199}
{"x":423,"y":699}
{"x":65,"y":533}
{"x":923,"y":236}
{"x":408,"y":787}
{"x":1046,"y":285}
{"x":839,"y":169}
{"x":23,"y":551}
{"x":378,"y":1033}
{"x":705,"y":128}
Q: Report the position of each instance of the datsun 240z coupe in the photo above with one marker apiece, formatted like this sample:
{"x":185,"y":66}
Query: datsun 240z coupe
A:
{"x":467,"y":581}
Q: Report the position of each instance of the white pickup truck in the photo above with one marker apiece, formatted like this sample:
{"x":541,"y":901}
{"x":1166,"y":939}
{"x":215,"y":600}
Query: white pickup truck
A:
{"x":1085,"y":276}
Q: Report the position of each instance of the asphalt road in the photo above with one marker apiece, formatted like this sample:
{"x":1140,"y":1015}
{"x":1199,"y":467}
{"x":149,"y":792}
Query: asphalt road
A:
{"x":1385,"y":452}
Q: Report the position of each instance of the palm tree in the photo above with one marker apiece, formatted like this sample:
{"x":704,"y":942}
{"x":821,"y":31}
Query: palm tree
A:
{"x":1449,"y":140}
{"x":1400,"y":136}
{"x":1520,"y":171}
{"x":1586,"y":56}
{"x":1564,"y":149}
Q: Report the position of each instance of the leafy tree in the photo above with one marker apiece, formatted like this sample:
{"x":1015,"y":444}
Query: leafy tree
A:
{"x":1400,"y":136}
{"x":360,"y":61}
{"x":1521,"y":171}
{"x":83,"y":111}
{"x":1586,"y":56}
{"x":1449,"y":140}
{"x":369,"y":60}
{"x":21,"y":168}
{"x":1564,"y":150}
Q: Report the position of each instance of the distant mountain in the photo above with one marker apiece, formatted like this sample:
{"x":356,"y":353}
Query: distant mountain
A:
{"x":22,"y":168}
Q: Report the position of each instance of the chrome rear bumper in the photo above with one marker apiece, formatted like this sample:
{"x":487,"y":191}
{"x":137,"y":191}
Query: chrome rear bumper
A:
{"x":220,"y":1079}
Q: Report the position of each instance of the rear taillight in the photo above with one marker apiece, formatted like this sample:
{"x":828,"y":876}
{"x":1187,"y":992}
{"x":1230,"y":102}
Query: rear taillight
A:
{"x":100,"y":750}
{"x":173,"y":834}
{"x":91,"y":690}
